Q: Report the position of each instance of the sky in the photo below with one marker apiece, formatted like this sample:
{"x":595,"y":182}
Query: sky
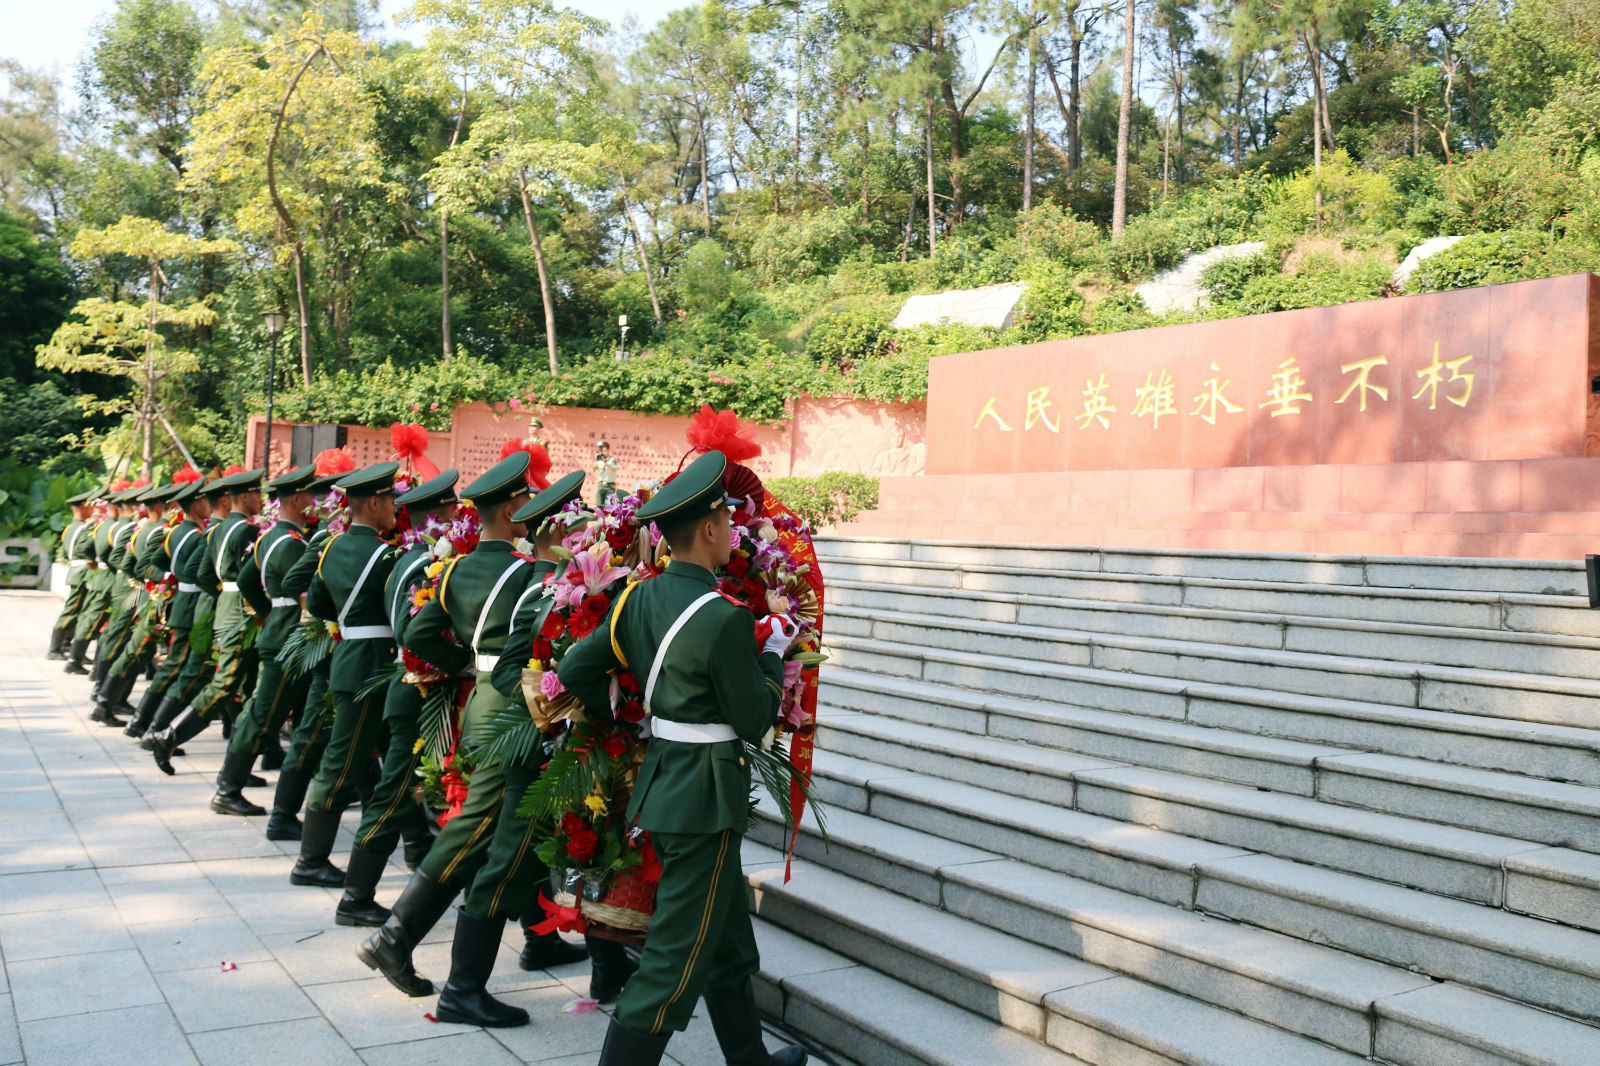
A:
{"x":54,"y":33}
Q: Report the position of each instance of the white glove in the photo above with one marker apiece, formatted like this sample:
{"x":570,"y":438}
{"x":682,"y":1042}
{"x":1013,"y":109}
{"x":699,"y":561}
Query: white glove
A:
{"x":784,"y":630}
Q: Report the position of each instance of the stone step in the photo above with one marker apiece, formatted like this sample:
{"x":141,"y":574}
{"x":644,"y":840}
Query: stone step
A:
{"x":1541,"y":577}
{"x":1099,"y":808}
{"x":1300,"y":987}
{"x":1345,"y":662}
{"x":1091,"y":1013}
{"x":1547,"y":812}
{"x":980,"y":686}
{"x":1334,"y":927}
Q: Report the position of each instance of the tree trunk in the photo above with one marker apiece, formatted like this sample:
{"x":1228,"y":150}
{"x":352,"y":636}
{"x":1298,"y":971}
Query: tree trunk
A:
{"x":957,"y":191}
{"x":1027,"y":148}
{"x":444,"y":282}
{"x":305,"y":316}
{"x":544,"y":274}
{"x":911,"y":220}
{"x":705,"y":180}
{"x":1166,"y":154}
{"x":644,"y":260}
{"x":928,"y":155}
{"x":1119,"y":202}
{"x":1238,"y":117}
{"x":1316,"y":135}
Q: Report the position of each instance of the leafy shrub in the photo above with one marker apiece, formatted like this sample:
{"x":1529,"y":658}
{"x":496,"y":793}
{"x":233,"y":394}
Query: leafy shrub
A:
{"x":1351,"y":197}
{"x":1119,"y":310}
{"x":1051,"y":309}
{"x":1225,"y":279}
{"x":828,"y":498}
{"x":839,"y":338}
{"x":1226,"y":211}
{"x":1053,"y":233}
{"x":1321,"y":280}
{"x":1147,"y":246}
{"x":792,"y":247}
{"x":1482,"y":259}
{"x":34,"y":504}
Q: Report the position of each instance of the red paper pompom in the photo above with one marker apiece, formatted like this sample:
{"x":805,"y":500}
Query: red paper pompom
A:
{"x":410,"y":443}
{"x":143,"y":482}
{"x":186,"y":475}
{"x":722,"y":431}
{"x":538,"y":461}
{"x":334,"y":461}
{"x":232,"y":470}
{"x":119,"y":484}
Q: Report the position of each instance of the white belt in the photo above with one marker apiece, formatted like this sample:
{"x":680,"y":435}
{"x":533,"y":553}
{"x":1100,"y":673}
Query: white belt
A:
{"x":366,"y":633}
{"x":230,"y":586}
{"x":188,"y":586}
{"x":685,"y":733}
{"x":77,"y":564}
{"x":285,"y":601}
{"x":487,"y":663}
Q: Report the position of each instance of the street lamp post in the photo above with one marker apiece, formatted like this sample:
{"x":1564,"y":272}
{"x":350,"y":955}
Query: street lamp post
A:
{"x":622,"y":324}
{"x":274,"y":322}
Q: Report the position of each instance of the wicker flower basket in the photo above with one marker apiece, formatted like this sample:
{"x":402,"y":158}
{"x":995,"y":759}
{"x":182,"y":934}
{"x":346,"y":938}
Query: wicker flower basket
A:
{"x":628,"y":905}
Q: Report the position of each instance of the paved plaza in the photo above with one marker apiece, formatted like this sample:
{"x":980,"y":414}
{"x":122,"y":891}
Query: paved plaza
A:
{"x":138,"y":927}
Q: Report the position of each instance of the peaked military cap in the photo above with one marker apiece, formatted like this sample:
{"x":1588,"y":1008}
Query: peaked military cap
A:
{"x":248,"y":480}
{"x":504,"y":480}
{"x":186,"y":494}
{"x":157,"y":493}
{"x":693,"y":494}
{"x":83,"y":498}
{"x":537,"y":510}
{"x":300,"y":479}
{"x":435,"y":492}
{"x":216,"y":487}
{"x":374,"y":480}
{"x":127,"y":495}
{"x":325,"y":483}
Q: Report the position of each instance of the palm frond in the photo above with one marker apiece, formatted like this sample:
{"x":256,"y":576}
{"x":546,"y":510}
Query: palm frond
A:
{"x":305,"y":648}
{"x":772,"y":765}
{"x":578,"y":768}
{"x":380,"y":681}
{"x":511,"y":736}
{"x":435,"y":722}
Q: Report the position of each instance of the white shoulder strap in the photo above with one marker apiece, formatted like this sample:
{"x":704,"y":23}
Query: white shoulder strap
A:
{"x":266,"y":557}
{"x":178,"y":547}
{"x":350,"y":600}
{"x":666,"y":642}
{"x":222,"y":547}
{"x":488,"y":604}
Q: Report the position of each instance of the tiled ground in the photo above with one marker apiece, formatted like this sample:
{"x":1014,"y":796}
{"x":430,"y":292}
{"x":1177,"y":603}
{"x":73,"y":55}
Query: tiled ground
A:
{"x":121,"y":895}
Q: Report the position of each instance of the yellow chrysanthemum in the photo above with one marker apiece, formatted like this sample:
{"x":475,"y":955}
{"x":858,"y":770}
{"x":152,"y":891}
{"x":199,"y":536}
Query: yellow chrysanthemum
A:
{"x":417,"y":747}
{"x":333,"y":629}
{"x":596,"y":803}
{"x":435,"y":569}
{"x":421,"y":597}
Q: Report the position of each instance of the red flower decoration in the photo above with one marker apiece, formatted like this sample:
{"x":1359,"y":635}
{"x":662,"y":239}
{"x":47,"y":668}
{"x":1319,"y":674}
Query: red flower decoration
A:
{"x":553,"y":626}
{"x":631,"y":711}
{"x":543,"y":649}
{"x":410,"y":443}
{"x":334,"y":461}
{"x":583,"y":844}
{"x":614,"y":745}
{"x":722,"y":431}
{"x":596,"y":605}
{"x":571,"y":822}
{"x":738,"y":567}
{"x":538,"y":474}
{"x":186,"y":475}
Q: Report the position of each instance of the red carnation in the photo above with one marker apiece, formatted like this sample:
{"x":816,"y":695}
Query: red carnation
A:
{"x":596,"y":605}
{"x":631,"y":711}
{"x":614,"y":745}
{"x":553,"y":626}
{"x":583,"y":844}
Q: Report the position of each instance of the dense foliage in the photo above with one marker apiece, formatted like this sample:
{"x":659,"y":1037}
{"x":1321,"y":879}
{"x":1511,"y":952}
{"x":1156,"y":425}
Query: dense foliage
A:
{"x":750,"y":185}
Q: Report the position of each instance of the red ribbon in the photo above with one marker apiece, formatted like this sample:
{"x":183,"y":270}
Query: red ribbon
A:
{"x":559,"y":919}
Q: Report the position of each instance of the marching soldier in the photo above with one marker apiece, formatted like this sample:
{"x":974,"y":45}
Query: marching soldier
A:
{"x":85,"y":562}
{"x":711,"y":686}
{"x":486,"y":845}
{"x":124,"y":598}
{"x":609,"y":965}
{"x":392,"y":807}
{"x":149,"y":565}
{"x":260,"y":582}
{"x":348,"y":591}
{"x":97,"y":604}
{"x":308,"y":691}
{"x":74,"y":552}
{"x":178,"y":550}
{"x":227,"y":544}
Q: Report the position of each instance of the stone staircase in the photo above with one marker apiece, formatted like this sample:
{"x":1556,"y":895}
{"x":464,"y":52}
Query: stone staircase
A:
{"x":1129,"y":807}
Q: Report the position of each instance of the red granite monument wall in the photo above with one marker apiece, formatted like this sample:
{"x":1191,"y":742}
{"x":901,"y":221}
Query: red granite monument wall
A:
{"x":821,"y":434}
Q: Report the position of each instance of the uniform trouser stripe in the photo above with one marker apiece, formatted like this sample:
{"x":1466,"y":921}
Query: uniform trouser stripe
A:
{"x":700,"y":937}
{"x":466,"y":849}
{"x":267,"y":716}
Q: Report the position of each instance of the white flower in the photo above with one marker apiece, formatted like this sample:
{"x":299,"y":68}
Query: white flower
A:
{"x":767,"y":532}
{"x":523,"y":545}
{"x":442,"y":548}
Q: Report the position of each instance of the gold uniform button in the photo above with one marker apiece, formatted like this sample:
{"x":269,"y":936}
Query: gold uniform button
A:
{"x":741,"y":760}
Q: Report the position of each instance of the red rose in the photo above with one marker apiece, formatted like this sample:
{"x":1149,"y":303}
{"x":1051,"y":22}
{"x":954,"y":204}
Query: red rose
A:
{"x":738,"y":567}
{"x":583,"y":844}
{"x":631,"y":711}
{"x":614,"y":745}
{"x":619,"y":538}
{"x":542,"y":649}
{"x":627,"y":682}
{"x":596,"y":605}
{"x":553,"y":625}
{"x":571,"y":822}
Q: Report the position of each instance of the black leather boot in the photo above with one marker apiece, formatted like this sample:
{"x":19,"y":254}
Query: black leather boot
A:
{"x":465,"y":998}
{"x":164,"y":743}
{"x":420,"y":906}
{"x":166,"y":712}
{"x":417,"y":834}
{"x":316,"y":842}
{"x":540,"y":951}
{"x":143,"y":714}
{"x":628,"y":1047}
{"x":609,"y":968}
{"x":75,"y":663}
{"x":113,"y":698}
{"x":230,"y":787}
{"x":290,"y":796}
{"x":361,"y":875}
{"x":59,"y":639}
{"x":738,"y":1027}
{"x":272,"y":757}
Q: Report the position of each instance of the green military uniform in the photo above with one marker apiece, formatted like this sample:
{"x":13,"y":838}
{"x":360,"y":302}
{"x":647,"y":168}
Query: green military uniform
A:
{"x":713,"y":687}
{"x":261,"y":585}
{"x":131,"y":640}
{"x":182,"y":545}
{"x":306,"y":692}
{"x":97,"y":603}
{"x":201,"y":574}
{"x":487,"y":845}
{"x":605,"y":470}
{"x":228,"y":544}
{"x":81,"y":588}
{"x":348,"y":591}
{"x":124,"y":598}
{"x":392,"y":808}
{"x":151,"y":564}
{"x":72,"y":551}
